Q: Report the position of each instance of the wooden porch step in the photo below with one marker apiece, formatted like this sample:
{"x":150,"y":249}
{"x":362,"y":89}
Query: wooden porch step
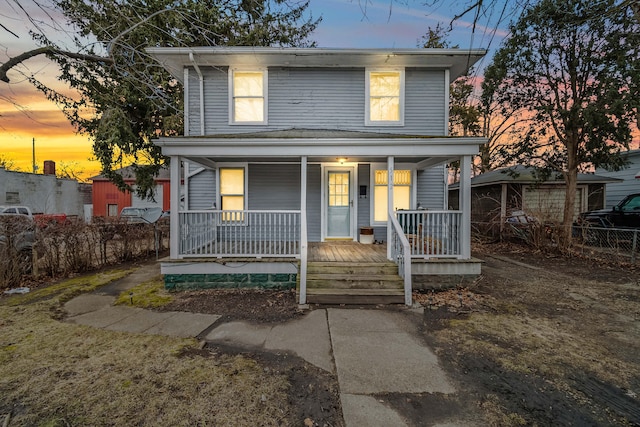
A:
{"x":355,"y":296}
{"x":352,"y":268}
{"x":353,"y":281}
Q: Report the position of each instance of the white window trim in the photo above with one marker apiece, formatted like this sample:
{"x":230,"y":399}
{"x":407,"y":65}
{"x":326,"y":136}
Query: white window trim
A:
{"x":244,"y":166}
{"x":265,"y":93}
{"x":412,"y":191}
{"x":367,"y":101}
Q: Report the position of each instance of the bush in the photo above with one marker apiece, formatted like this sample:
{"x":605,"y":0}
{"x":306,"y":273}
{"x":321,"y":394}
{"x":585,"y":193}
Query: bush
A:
{"x":17,"y":238}
{"x":72,"y":246}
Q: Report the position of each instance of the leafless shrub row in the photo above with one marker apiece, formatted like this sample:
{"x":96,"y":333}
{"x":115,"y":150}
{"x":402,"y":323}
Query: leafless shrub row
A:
{"x":64,"y":248}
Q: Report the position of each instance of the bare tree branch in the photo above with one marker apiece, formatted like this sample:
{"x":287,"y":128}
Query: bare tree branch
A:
{"x":47,"y":50}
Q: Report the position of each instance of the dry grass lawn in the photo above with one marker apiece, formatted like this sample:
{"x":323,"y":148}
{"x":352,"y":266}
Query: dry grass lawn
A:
{"x":58,"y":374}
{"x":149,"y":294}
{"x":556,"y":344}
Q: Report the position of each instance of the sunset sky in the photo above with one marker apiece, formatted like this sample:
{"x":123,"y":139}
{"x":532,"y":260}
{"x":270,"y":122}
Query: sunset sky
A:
{"x":25,"y":113}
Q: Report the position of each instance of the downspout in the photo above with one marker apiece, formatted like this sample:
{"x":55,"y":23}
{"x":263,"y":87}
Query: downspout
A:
{"x":201,"y":80}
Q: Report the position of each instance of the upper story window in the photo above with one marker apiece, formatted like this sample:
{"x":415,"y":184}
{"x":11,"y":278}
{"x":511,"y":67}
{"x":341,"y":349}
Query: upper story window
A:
{"x":385,"y":98}
{"x":248,"y":97}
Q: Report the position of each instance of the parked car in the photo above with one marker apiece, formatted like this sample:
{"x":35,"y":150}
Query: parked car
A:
{"x":134,"y":215}
{"x":624,"y":214}
{"x":17,"y":239}
{"x":16,"y":210}
{"x":41,"y":219}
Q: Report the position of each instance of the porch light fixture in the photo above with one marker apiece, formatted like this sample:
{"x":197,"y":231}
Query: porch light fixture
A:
{"x":342,"y":159}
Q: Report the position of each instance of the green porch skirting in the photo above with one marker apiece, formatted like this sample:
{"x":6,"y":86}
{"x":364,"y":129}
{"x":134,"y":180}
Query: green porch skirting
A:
{"x":178,"y":282}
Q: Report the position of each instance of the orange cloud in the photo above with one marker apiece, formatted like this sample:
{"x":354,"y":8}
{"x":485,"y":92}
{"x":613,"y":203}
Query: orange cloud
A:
{"x":55,"y":139}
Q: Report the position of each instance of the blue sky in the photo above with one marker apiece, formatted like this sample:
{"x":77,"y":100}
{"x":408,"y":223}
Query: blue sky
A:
{"x":398,"y":24}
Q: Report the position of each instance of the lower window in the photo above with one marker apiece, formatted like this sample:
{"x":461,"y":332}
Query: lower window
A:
{"x":401,"y":193}
{"x":232,"y":193}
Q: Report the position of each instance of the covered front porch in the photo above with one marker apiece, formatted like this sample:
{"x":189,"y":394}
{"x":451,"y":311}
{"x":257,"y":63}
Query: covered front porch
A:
{"x":298,"y":192}
{"x":271,"y":245}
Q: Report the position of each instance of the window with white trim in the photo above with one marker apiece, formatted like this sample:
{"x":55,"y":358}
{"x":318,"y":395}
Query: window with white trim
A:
{"x":248,"y":96}
{"x":384,"y":98}
{"x":401,"y":192}
{"x":232,"y":192}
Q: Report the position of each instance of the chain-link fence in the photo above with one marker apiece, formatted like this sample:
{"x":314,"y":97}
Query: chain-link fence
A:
{"x":619,"y":245}
{"x":614,"y":245}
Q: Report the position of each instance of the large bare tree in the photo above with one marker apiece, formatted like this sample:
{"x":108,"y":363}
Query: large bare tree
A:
{"x":570,"y":67}
{"x":121,"y":98}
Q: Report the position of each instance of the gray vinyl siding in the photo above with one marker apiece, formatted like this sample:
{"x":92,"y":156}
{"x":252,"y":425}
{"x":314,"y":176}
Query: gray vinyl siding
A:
{"x":202,"y":189}
{"x":616,"y":191}
{"x":425,"y":104}
{"x":430,"y":192}
{"x":314,"y":203}
{"x":191,"y":104}
{"x":316,"y":98}
{"x":322,"y":98}
{"x":274,"y":187}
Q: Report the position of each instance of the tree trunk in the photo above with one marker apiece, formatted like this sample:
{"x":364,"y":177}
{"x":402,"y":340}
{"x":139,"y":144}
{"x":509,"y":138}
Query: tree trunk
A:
{"x":571,"y":181}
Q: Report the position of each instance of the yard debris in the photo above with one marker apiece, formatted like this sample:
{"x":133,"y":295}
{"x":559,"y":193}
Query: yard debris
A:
{"x":22,"y":290}
{"x":452,"y":299}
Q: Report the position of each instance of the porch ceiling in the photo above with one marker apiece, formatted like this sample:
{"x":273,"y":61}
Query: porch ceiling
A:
{"x":424,"y":162}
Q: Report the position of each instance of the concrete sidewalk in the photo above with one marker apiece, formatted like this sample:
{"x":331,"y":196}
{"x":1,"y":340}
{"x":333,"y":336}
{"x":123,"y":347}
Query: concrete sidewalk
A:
{"x":97,"y":310}
{"x":372,"y":352}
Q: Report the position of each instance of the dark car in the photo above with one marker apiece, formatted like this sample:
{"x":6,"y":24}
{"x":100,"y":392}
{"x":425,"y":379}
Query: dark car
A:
{"x":624,"y":214}
{"x":17,"y":240}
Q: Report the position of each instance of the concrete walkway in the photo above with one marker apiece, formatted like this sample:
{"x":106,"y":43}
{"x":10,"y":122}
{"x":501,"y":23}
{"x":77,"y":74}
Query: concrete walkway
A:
{"x":96,"y":309}
{"x":371,"y":351}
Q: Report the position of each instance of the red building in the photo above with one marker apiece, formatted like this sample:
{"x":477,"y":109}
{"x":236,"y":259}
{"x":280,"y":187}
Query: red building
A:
{"x":109,"y":201}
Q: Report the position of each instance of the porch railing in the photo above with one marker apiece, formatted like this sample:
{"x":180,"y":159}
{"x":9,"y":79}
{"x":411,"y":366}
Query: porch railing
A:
{"x":242,"y":233}
{"x":432,"y":234}
{"x":401,"y":255}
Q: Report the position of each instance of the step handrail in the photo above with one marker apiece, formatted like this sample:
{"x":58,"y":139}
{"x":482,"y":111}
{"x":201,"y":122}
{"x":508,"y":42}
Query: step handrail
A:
{"x":401,"y":255}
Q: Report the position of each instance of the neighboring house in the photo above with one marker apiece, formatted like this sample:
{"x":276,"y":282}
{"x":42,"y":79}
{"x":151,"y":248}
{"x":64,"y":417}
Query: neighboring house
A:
{"x":630,"y":179}
{"x":290,"y":150}
{"x":108,"y":200}
{"x":44,"y":193}
{"x":496,"y":194}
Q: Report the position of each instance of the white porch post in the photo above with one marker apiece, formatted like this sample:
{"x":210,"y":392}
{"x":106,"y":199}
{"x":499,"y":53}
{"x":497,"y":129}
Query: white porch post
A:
{"x":174,"y":204}
{"x":303,"y":230}
{"x":465,"y":206}
{"x":390,"y":167}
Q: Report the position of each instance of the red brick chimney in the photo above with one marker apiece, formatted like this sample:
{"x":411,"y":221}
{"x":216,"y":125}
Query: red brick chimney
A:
{"x":49,"y":167}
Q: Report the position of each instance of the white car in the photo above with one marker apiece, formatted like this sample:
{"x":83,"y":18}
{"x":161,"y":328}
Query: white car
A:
{"x":133,"y":215}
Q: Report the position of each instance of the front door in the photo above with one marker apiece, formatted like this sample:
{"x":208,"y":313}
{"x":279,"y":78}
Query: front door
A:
{"x":339,"y":204}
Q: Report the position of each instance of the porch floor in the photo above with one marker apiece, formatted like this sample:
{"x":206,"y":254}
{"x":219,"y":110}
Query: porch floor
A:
{"x":347,"y":251}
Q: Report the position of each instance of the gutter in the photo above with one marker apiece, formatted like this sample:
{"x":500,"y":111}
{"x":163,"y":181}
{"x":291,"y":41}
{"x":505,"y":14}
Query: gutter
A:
{"x":201,"y":81}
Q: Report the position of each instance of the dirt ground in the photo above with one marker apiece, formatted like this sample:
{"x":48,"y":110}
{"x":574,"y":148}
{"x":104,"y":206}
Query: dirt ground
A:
{"x":538,"y":339}
{"x":542,"y":339}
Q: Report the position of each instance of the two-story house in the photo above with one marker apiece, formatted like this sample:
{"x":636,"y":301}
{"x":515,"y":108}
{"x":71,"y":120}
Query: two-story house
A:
{"x":287,"y":153}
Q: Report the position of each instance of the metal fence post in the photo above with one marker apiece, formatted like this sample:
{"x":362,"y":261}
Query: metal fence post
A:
{"x":633,"y":246}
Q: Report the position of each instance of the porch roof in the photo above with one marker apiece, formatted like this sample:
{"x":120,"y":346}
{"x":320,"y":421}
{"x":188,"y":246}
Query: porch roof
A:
{"x":175,"y":59}
{"x":321,"y":145}
{"x":525,"y":175}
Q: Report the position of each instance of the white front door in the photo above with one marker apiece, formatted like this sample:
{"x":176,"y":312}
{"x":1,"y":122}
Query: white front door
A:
{"x":339,"y":203}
